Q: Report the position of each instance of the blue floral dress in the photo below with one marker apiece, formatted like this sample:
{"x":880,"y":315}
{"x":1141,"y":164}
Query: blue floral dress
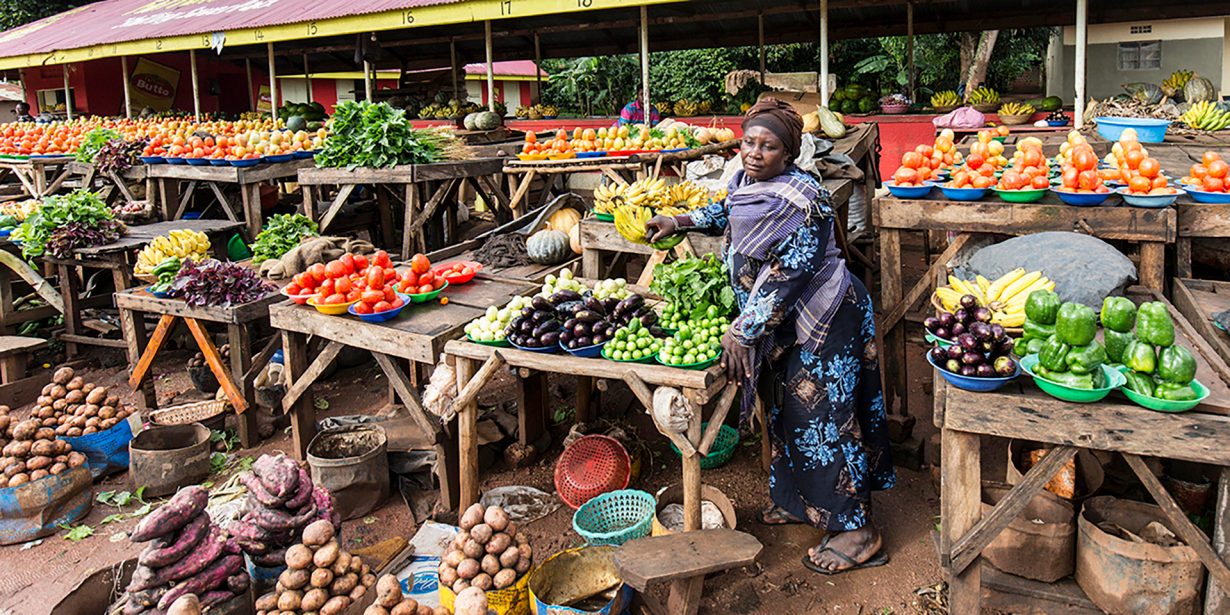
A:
{"x":826,"y":409}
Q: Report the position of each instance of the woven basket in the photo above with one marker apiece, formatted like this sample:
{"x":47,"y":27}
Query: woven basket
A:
{"x":1015,"y":120}
{"x":987,"y":107}
{"x":616,"y":517}
{"x":946,"y":109}
{"x":722,"y":450}
{"x":194,"y":412}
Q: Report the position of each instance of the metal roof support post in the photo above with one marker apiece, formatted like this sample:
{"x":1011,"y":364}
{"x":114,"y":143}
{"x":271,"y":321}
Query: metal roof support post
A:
{"x":490,"y":67}
{"x":1082,"y":27}
{"x":645,"y":66}
{"x":247,"y":65}
{"x":824,"y":52}
{"x":909,"y":48}
{"x":273,"y":84}
{"x":68,"y":94}
{"x":307,"y":76}
{"x":196,"y":85}
{"x":538,"y":69}
{"x":760,"y":32}
{"x":127,"y":92}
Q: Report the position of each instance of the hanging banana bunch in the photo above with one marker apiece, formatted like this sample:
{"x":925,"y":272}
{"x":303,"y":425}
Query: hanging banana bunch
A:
{"x":630,"y":222}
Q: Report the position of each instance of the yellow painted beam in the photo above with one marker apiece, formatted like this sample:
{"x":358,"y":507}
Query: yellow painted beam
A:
{"x":438,"y":15}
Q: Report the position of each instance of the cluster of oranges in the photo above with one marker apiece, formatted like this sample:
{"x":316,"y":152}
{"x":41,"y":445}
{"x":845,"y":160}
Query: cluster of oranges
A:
{"x":559,"y":147}
{"x":585,"y":140}
{"x":242,"y":146}
{"x":173,"y":137}
{"x":1079,"y":170}
{"x":1029,"y":170}
{"x":1211,"y":174}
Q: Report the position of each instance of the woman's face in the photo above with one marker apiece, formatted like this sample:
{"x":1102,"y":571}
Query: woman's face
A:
{"x":764,"y":155}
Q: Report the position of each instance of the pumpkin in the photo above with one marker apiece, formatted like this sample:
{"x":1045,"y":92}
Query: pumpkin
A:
{"x":548,"y":247}
{"x":487,"y":120}
{"x":574,"y":238}
{"x":1199,"y":89}
{"x":564,"y":219}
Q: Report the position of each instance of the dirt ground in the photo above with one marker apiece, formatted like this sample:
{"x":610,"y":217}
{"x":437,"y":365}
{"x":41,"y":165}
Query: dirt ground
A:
{"x":777,"y":584}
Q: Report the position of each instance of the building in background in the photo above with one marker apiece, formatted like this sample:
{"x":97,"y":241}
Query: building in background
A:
{"x":10,"y":95}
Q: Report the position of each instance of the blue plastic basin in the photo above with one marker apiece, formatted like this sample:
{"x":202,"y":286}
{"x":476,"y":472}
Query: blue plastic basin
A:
{"x":1148,"y":130}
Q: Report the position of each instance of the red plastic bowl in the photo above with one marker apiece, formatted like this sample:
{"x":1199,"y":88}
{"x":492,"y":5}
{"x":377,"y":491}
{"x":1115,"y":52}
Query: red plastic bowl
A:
{"x":590,"y":467}
{"x":458,"y":279}
{"x":298,"y":299}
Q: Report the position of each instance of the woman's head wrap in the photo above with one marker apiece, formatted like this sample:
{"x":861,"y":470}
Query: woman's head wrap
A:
{"x":780,"y":119}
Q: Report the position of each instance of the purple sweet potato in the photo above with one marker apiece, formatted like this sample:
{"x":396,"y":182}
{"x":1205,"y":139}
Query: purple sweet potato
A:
{"x":201,"y":557}
{"x":134,"y":608}
{"x":325,"y":508}
{"x":238,"y":583}
{"x":303,"y":491}
{"x":143,"y":578}
{"x":231,"y":547}
{"x":278,"y":520}
{"x":253,"y":547}
{"x":259,"y":492}
{"x":272,"y":559}
{"x":213,"y":576}
{"x":149,"y":597}
{"x":169,"y":549}
{"x":245,"y":528}
{"x":217,"y":596}
{"x":175,"y":514}
{"x":278,"y":473}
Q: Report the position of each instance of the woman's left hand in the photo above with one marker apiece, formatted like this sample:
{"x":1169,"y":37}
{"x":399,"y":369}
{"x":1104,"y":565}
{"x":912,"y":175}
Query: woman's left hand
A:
{"x":736,"y":358}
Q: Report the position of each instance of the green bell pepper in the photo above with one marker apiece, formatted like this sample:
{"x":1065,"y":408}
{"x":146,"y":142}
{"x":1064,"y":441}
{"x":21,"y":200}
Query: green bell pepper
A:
{"x":1154,"y":325}
{"x":1068,"y":379}
{"x":1139,"y":357}
{"x":1118,"y":314}
{"x":1033,"y":346}
{"x":1139,"y":383}
{"x":1037,"y":331}
{"x":1175,"y":392}
{"x":1054,"y":354}
{"x":1176,"y":364}
{"x":1116,"y":343}
{"x":1076,"y":325}
{"x":1042,"y":307}
{"x":1086,"y":359}
{"x":168,"y":265}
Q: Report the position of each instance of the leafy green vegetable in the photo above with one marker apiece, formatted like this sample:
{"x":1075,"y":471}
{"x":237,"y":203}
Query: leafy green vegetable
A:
{"x":282,"y":233}
{"x":376,"y":135}
{"x":92,"y":142}
{"x":698,"y":282}
{"x":77,"y":532}
{"x":64,"y":222}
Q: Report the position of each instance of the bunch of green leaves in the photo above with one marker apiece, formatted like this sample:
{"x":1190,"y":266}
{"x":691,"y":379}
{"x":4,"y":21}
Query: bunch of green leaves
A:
{"x":79,"y":208}
{"x":122,"y":499}
{"x":698,"y":282}
{"x":92,"y":142}
{"x":376,"y":135}
{"x":281,"y":234}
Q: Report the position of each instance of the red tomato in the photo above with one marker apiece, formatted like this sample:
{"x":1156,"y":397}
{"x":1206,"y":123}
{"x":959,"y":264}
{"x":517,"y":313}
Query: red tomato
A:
{"x":1213,"y":184}
{"x":383,"y":306}
{"x":427,"y":278}
{"x":326,"y":287}
{"x":1040,"y":182}
{"x":371,"y":296}
{"x":438,"y":284}
{"x":362,"y":308}
{"x":390,"y":274}
{"x":343,"y":285}
{"x":348,"y":263}
{"x":419,"y":264}
{"x":353,"y":296}
{"x":335,"y":299}
{"x":375,"y":277}
{"x":1088,"y":180}
{"x":360,"y":262}
{"x":467,"y":271}
{"x":294,"y":289}
{"x":318,"y":271}
{"x":426,"y":288}
{"x":1070,"y":176}
{"x":335,"y":269}
{"x":397,"y":302}
{"x":381,"y":259}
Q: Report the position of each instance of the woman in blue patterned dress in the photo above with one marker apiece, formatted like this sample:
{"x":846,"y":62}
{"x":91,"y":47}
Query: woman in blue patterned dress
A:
{"x":805,"y":338}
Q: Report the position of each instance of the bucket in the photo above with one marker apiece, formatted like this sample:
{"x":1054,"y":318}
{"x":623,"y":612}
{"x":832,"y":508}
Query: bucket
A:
{"x":1121,"y":576}
{"x":1040,"y":543}
{"x":581,"y":578}
{"x":165,"y":458}
{"x":352,"y":463}
{"x":673,"y":494}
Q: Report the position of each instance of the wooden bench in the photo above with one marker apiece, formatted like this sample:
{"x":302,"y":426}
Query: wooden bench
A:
{"x":15,"y":388}
{"x":682,"y":560}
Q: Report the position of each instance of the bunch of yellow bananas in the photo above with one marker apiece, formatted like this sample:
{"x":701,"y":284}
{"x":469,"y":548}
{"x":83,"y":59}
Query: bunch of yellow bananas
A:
{"x":682,"y":198}
{"x":1005,"y":297}
{"x":630,"y":222}
{"x":1016,"y":108}
{"x":1173,"y":84}
{"x":945,"y":98}
{"x":180,"y":243}
{"x":647,"y":192}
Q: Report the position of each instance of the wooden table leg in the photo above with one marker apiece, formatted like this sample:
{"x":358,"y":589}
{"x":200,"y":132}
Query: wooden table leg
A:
{"x":691,"y":476}
{"x":6,"y":302}
{"x":585,"y":393}
{"x":133,"y":326}
{"x":1153,"y":265}
{"x":69,"y":289}
{"x":467,"y":438}
{"x":448,"y":467}
{"x":385,"y":212}
{"x":1216,"y":599}
{"x":960,"y":510}
{"x":251,"y":196}
{"x":241,"y":361}
{"x":303,"y":413}
{"x":894,"y":340}
{"x":591,"y":264}
{"x":309,"y":198}
{"x":408,"y":244}
{"x":533,"y":398}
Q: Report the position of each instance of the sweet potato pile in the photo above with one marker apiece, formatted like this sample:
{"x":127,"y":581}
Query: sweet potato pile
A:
{"x":319,"y":578}
{"x":281,"y":501}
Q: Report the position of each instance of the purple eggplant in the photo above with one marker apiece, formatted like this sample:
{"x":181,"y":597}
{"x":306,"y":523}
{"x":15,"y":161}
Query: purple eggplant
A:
{"x":972,"y":358}
{"x":931,"y":323}
{"x":938,"y":355}
{"x":969,"y":302}
{"x":982,"y":315}
{"x":942,"y":333}
{"x":969,"y":371}
{"x":967,"y":341}
{"x":1005,"y":366}
{"x":947,"y":319}
{"x":955,"y":351}
{"x":997,"y":330}
{"x":962,"y":315}
{"x":985,"y":371}
{"x":980,"y":330}
{"x":957,"y":330}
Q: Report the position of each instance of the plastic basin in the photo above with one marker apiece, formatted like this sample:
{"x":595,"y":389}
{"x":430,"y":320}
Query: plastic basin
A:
{"x":425,"y":297}
{"x":974,"y":383}
{"x":1166,"y":405}
{"x":333,"y":309}
{"x":1082,"y":199}
{"x":585,"y":352}
{"x":458,"y":278}
{"x":543,"y":350}
{"x":174,"y":160}
{"x":1056,"y":123}
{"x":1149,"y":201}
{"x":1148,"y":130}
{"x":280,"y":158}
{"x":152,"y":159}
{"x":697,"y":365}
{"x":1111,"y":379}
{"x":938,"y":341}
{"x":1031,"y":195}
{"x":605,"y":217}
{"x":1212,"y":198}
{"x":197,"y":162}
{"x":645,"y":359}
{"x":963,"y":194}
{"x":497,"y":343}
{"x":297,"y":299}
{"x":380,"y":316}
{"x":246,"y":162}
{"x":907,"y":192}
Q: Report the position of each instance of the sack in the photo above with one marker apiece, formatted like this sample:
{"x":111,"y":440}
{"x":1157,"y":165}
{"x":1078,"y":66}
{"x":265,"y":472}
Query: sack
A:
{"x":107,"y":451}
{"x":38,"y":508}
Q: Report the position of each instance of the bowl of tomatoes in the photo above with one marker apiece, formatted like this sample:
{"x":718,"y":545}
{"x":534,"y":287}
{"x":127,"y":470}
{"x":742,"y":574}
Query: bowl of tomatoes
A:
{"x":1081,"y":199}
{"x":331,"y":309}
{"x":420,"y":284}
{"x":298,"y":298}
{"x":1156,"y":198}
{"x":334,"y":286}
{"x":1208,"y":181}
{"x":459,"y":272}
{"x":374,"y":306}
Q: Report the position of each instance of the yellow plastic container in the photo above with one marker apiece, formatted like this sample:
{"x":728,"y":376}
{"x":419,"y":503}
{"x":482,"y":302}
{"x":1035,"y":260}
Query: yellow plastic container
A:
{"x":513,"y":600}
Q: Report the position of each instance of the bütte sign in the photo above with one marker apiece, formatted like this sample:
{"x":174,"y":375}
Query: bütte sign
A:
{"x":153,"y":85}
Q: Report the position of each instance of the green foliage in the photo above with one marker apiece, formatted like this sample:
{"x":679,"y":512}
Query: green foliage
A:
{"x":375,"y":135}
{"x":281,"y":234}
{"x":14,"y":13}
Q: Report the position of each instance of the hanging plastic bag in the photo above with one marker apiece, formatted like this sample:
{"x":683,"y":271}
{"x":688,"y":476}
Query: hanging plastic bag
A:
{"x":963,"y":117}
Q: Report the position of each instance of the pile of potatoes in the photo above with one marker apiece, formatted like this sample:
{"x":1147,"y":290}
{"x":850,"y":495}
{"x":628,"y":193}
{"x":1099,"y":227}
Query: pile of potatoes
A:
{"x":73,"y":407}
{"x":34,"y":452}
{"x":390,"y":601}
{"x":488,"y":553}
{"x":320,"y":578}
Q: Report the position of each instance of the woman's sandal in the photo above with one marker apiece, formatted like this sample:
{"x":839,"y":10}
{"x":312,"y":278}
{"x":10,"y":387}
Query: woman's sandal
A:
{"x":776,"y":515}
{"x":879,"y":559}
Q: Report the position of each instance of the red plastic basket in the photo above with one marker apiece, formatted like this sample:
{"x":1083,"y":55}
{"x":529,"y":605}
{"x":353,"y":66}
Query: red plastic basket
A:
{"x":589,"y":467}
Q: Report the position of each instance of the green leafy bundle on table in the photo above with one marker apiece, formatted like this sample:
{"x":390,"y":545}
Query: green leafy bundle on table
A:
{"x":700,"y":283}
{"x":118,"y":155}
{"x":281,"y":234}
{"x":68,"y":222}
{"x":220,"y":284}
{"x":1158,"y":367}
{"x":376,"y":135}
{"x":92,"y":142}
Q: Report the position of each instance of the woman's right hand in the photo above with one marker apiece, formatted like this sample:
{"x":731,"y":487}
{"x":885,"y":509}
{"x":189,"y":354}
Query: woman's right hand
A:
{"x":660,"y":227}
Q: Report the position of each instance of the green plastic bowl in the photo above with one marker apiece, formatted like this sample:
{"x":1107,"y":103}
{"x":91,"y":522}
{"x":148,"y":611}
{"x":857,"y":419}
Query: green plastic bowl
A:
{"x":605,"y":217}
{"x":497,"y":343}
{"x":644,"y":359}
{"x":700,"y":365}
{"x":939,"y":341}
{"x":425,"y":297}
{"x":1022,"y":196}
{"x":722,"y":450}
{"x":1166,"y":405}
{"x":1112,"y":379}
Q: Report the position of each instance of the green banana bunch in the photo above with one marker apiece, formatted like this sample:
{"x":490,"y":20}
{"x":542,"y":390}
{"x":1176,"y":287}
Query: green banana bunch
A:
{"x":1206,"y":115}
{"x":983,"y":96}
{"x":946,"y":98}
{"x":1173,"y":84}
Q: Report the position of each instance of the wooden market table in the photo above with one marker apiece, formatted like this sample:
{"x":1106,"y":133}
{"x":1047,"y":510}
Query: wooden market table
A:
{"x":119,"y":257}
{"x":1022,"y":411}
{"x":38,"y":176}
{"x":699,"y":387}
{"x":1151,"y":229}
{"x":1210,"y":222}
{"x":239,"y":320}
{"x":417,"y":335}
{"x":420,"y":190}
{"x":223,"y":182}
{"x":1198,"y":300}
{"x":114,"y":187}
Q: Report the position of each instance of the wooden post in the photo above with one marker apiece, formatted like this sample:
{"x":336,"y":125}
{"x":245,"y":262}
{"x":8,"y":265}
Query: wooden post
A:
{"x":467,"y":435}
{"x":645,"y":64}
{"x":452,"y":54}
{"x":247,"y":66}
{"x":537,"y":69}
{"x":894,"y":337}
{"x":303,"y":411}
{"x":307,"y":76}
{"x":490,"y":68}
{"x":1216,"y":599}
{"x":68,"y":98}
{"x":273,"y":86}
{"x":1082,"y":39}
{"x":824,"y":52}
{"x":127,"y":90}
{"x":960,"y":509}
{"x":760,"y":38}
{"x":196,"y":85}
{"x":368,"y":85}
{"x":909,"y":48}
{"x":691,"y":475}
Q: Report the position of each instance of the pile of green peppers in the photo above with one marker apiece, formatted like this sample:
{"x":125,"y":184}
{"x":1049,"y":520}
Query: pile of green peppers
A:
{"x":1041,"y":310}
{"x":166,"y":272}
{"x":1071,"y":356}
{"x":1158,"y":367}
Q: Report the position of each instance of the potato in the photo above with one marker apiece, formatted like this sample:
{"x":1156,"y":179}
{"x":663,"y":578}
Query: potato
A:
{"x":468,"y":569}
{"x":518,"y":538}
{"x":89,"y":410}
{"x":343,"y":584}
{"x":293,"y":578}
{"x":387,"y":588}
{"x":107,"y":424}
{"x":19,"y":479}
{"x":335,"y":605}
{"x":356,"y":565}
{"x":267,"y":602}
{"x":97,"y":396}
{"x":44,"y":433}
{"x":290,"y":600}
{"x":440,"y":611}
{"x":523,"y":565}
{"x":316,"y":534}
{"x":426,"y":610}
{"x":482,"y":581}
{"x":37,"y":474}
{"x":472,"y":517}
{"x":509,"y":557}
{"x":358,"y":592}
{"x":481,"y":533}
{"x":364,"y":570}
{"x":472,"y":601}
{"x":56,"y":468}
{"x":298,"y":557}
{"x":406,"y":607}
{"x":76,"y":383}
{"x":93,"y":421}
{"x":342,"y":564}
{"x":76,"y":459}
{"x":453,"y":558}
{"x":73,"y":432}
{"x":15,"y":468}
{"x":321,"y":577}
{"x":22,"y":449}
{"x":473,"y":549}
{"x":25,"y":430}
{"x":448,"y":575}
{"x":504,"y":578}
{"x":314,"y":599}
{"x":326,"y":555}
{"x":461,"y":539}
{"x":106,"y":412}
{"x":89,"y":386}
{"x":187,"y":604}
{"x":460,"y":585}
{"x":367,"y":579}
{"x":63,"y":375}
{"x":112,"y":400}
{"x":499,"y":543}
{"x":38,"y":463}
{"x":58,"y":392}
{"x":527,"y":552}
{"x":50,"y":422}
{"x":4,"y":481}
{"x":375,"y":609}
{"x":62,"y":430}
{"x":74,"y":397}
{"x":496,"y":518}
{"x":490,"y":564}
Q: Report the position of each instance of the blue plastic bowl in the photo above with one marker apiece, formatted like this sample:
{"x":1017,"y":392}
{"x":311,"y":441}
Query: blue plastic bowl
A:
{"x":1148,"y":201}
{"x":1057,"y":123}
{"x":153,"y":159}
{"x":308,"y":153}
{"x":380,"y":316}
{"x":218,"y":162}
{"x":587,"y":352}
{"x":197,"y":162}
{"x":1082,"y":199}
{"x":907,"y":192}
{"x":971,"y":383}
{"x":280,"y":158}
{"x":5,"y":232}
{"x":1147,"y":130}
{"x":963,"y":194}
{"x":246,"y":162}
{"x":543,"y":350}
{"x":157,"y":293}
{"x":1211,"y":198}
{"x":174,"y":160}
{"x":590,"y":154}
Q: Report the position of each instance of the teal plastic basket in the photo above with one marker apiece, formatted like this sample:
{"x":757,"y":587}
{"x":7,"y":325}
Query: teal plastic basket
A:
{"x":615,"y":518}
{"x":722,"y":450}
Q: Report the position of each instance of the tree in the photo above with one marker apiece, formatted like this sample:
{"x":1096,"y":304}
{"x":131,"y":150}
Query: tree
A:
{"x":15,"y":13}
